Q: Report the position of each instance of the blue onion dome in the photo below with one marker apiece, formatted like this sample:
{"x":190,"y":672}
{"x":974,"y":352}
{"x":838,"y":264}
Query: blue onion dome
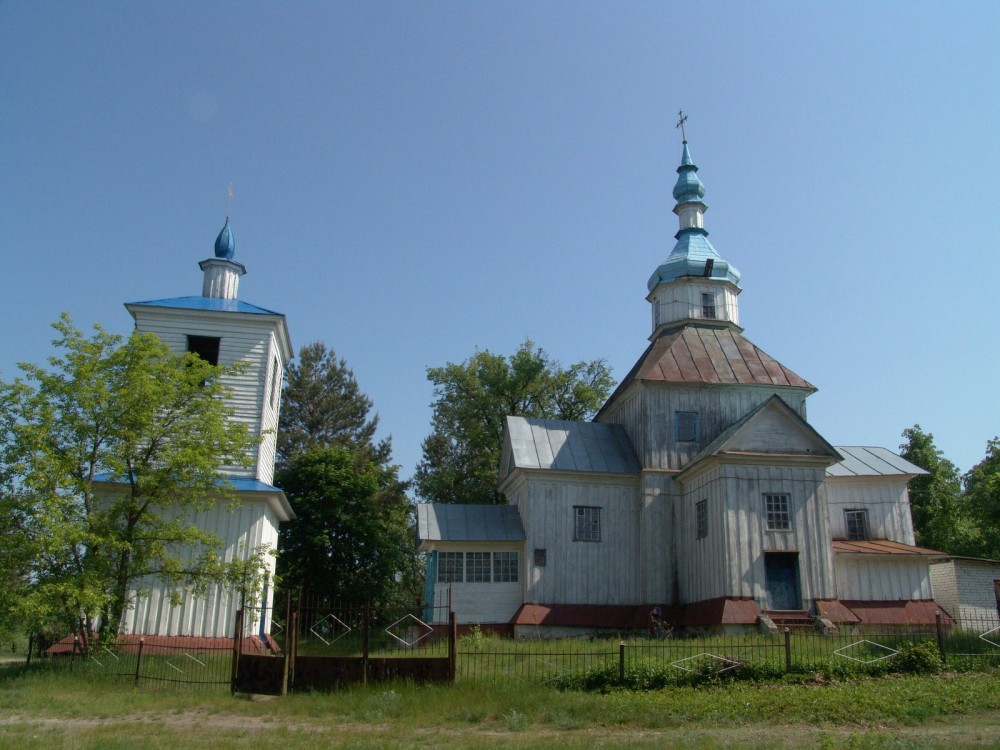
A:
{"x":225,"y":245}
{"x":688,"y":188}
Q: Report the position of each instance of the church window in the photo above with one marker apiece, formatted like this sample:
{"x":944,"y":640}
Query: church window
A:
{"x":707,"y":305}
{"x":701,"y":512}
{"x":477,"y":567}
{"x":857,"y":524}
{"x":504,"y":567}
{"x":540,"y":557}
{"x":206,"y":347}
{"x":778,"y":516}
{"x":275,"y":382}
{"x":588,"y":523}
{"x":686,"y":424}
{"x":451,"y":567}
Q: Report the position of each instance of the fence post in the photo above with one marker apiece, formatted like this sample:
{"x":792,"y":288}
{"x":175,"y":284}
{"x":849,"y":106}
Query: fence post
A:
{"x":72,"y":658}
{"x":31,"y":647}
{"x":621,"y":663}
{"x":452,"y":644}
{"x":288,"y":641}
{"x":138,"y":660}
{"x":788,"y":650}
{"x":364,"y":644}
{"x":940,"y":637}
{"x":294,"y":650}
{"x":237,"y":643}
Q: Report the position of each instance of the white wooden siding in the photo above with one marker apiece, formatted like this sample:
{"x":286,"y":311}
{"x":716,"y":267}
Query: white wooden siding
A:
{"x":657,"y":550}
{"x":242,"y":529}
{"x":885,"y":498}
{"x":679,"y":300}
{"x":730,"y":560}
{"x":244,"y":338}
{"x":479,"y":602}
{"x":883,"y":577}
{"x":578,"y":572}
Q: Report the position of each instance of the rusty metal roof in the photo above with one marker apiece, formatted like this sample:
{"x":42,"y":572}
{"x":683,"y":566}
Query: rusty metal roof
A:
{"x":879,"y":547}
{"x":697,"y":354}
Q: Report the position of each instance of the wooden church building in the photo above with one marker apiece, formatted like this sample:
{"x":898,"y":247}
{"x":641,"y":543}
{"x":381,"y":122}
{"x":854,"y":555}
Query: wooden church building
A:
{"x":223,"y":329}
{"x":700,"y":492}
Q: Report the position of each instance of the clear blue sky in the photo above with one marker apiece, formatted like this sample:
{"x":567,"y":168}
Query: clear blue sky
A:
{"x":416,"y":180}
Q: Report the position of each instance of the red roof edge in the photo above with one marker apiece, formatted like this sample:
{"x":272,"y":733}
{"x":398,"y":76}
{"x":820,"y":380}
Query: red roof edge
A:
{"x":901,"y":612}
{"x":163,"y":644}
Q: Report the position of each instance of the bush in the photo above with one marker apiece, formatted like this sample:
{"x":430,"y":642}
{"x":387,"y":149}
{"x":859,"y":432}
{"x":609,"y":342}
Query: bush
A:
{"x":917,"y":657}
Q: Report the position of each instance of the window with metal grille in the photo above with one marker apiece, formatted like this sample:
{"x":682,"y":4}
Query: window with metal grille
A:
{"x":857,"y":524}
{"x":504,"y":567}
{"x":540,"y":557}
{"x":778,"y":517}
{"x":686,"y":426}
{"x":701,"y":513}
{"x":477,"y":567}
{"x":588,"y":523}
{"x":707,"y":305}
{"x":451,"y":567}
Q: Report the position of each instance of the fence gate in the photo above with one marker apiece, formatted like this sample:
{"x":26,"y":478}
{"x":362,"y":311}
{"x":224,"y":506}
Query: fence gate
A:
{"x":315,"y":644}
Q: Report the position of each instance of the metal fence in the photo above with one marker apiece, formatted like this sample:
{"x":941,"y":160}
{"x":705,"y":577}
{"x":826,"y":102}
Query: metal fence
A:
{"x":966,"y":644}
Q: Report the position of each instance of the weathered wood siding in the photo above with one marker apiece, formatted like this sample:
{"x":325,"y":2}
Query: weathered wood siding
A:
{"x":883,"y":577}
{"x":244,"y":338}
{"x":480,"y":602}
{"x":729,"y":561}
{"x":242,"y":529}
{"x":680,"y":300}
{"x":581,"y":572}
{"x":657,"y":550}
{"x":650,"y":422}
{"x":885,"y":498}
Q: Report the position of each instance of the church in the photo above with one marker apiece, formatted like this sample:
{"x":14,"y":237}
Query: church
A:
{"x":223,"y":329}
{"x":699,"y":494}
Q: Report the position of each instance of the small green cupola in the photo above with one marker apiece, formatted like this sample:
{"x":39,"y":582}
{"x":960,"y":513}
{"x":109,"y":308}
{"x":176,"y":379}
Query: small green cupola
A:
{"x":694,"y":285}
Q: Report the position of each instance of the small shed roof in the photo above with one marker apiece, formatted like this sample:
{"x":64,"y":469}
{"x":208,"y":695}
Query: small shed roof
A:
{"x":468,"y":523}
{"x":871,"y":462}
{"x":561,"y":445}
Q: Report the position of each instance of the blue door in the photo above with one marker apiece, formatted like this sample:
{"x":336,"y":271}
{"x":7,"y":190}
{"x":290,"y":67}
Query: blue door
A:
{"x":781,"y":576}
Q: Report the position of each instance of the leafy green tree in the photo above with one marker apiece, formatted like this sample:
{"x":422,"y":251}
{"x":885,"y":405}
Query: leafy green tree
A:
{"x":351,"y":538}
{"x":462,"y":453}
{"x":982,"y":489}
{"x":322,"y":405}
{"x":940,"y":516}
{"x":104,"y":457}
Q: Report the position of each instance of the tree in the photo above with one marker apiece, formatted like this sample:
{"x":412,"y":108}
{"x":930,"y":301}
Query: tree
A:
{"x":462,"y":453}
{"x":322,"y":405}
{"x":982,"y":489}
{"x":940,"y":516}
{"x":351,"y":538}
{"x":104,"y":456}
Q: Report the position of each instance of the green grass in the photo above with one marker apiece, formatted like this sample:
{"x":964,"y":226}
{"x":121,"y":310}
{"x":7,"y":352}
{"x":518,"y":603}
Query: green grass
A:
{"x":46,"y":708}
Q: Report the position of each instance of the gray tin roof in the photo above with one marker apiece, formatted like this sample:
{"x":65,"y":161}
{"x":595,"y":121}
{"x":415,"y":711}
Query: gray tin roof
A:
{"x":871,"y":462}
{"x":570,"y":446}
{"x":468,"y":523}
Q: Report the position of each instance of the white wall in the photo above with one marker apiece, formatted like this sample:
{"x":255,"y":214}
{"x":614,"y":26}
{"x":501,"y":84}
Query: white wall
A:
{"x":478,"y":602}
{"x":885,"y":498}
{"x":966,"y":589}
{"x":883,"y":577}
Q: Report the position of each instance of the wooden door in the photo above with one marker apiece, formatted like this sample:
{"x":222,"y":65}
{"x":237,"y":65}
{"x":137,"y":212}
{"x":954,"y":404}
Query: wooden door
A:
{"x":781,"y":576}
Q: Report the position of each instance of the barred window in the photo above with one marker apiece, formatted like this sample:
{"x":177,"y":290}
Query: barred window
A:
{"x":778,"y":517}
{"x":588,"y":523}
{"x":477,"y":567}
{"x":504,"y":567}
{"x":451,"y":567}
{"x":701,"y":512}
{"x":857,"y":524}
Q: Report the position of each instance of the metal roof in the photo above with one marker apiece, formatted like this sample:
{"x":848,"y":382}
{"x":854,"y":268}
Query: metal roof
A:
{"x":570,"y":446}
{"x":212,"y":304}
{"x":879,"y":547}
{"x":468,"y":523}
{"x":871,"y":462}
